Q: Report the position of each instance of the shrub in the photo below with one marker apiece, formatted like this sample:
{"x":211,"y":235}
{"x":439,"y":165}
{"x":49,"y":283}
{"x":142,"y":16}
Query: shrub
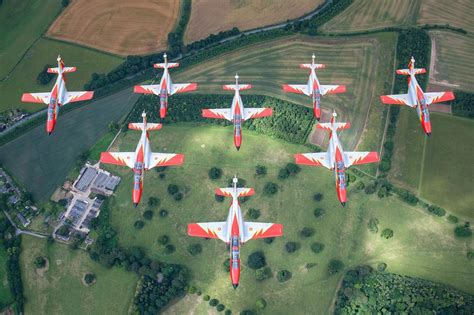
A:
{"x":162,"y":175}
{"x":470,"y":255}
{"x":335,"y":266}
{"x":256,"y":260}
{"x":387,"y":233}
{"x":263,"y":273}
{"x":206,"y":297}
{"x":372,"y":225}
{"x":228,"y":312}
{"x":283,"y":275}
{"x":139,"y":224}
{"x":220,"y":307}
{"x":153,"y":202}
{"x":215,"y":173}
{"x":283,"y":173}
{"x":317,"y":247}
{"x":370,"y":188}
{"x":219,"y":198}
{"x":268,"y":240}
{"x":44,"y":77}
{"x":169,"y":248}
{"x":163,"y":213}
{"x":438,"y":211}
{"x":319,"y":212}
{"x":40,"y":262}
{"x":381,"y":267}
{"x":318,"y":197}
{"x":178,"y":196}
{"x":89,"y":278}
{"x":453,"y":218}
{"x":213,"y":302}
{"x":270,"y":188}
{"x":291,"y":247}
{"x":360,"y":185}
{"x":260,"y":304}
{"x":160,"y":169}
{"x":148,"y":215}
{"x":173,"y":189}
{"x":247,"y":312}
{"x":226,"y":265}
{"x":292,"y":168}
{"x":307,"y":232}
{"x":253,"y":213}
{"x":192,"y":289}
{"x":194,"y":249}
{"x":462,"y":231}
{"x":260,"y":170}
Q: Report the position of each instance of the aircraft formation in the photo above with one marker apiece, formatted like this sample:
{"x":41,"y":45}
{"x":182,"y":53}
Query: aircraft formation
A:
{"x":235,"y":231}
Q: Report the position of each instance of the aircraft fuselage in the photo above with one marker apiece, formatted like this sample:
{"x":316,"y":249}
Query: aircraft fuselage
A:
{"x":422,"y":109}
{"x":234,"y":220}
{"x":237,"y":119}
{"x":313,"y":85}
{"x":142,"y":154}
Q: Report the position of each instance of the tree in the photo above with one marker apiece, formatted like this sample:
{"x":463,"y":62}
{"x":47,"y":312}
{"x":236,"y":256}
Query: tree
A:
{"x":453,"y":218}
{"x":283,"y":275}
{"x":163,"y":213}
{"x":268,"y":240}
{"x":40,"y":262}
{"x":226,"y":265}
{"x":206,"y":297}
{"x":65,"y":3}
{"x":215,"y":173}
{"x":178,"y":196}
{"x":319,"y":212}
{"x":219,"y":198}
{"x":438,"y":211}
{"x":220,"y":307}
{"x":139,"y":224}
{"x":173,"y":189}
{"x":463,"y":231}
{"x":470,"y":255}
{"x":260,"y":170}
{"x":307,"y":232}
{"x":318,"y":197}
{"x":89,"y":278}
{"x":213,"y":302}
{"x":291,"y":247}
{"x":317,"y":247}
{"x":256,"y":260}
{"x":263,"y":273}
{"x":253,"y":213}
{"x":153,"y":202}
{"x":335,"y":266}
{"x":192,"y":289}
{"x":194,"y":249}
{"x":114,"y":126}
{"x":372,"y":225}
{"x":387,"y":233}
{"x":148,"y":215}
{"x":381,"y":267}
{"x":163,"y":239}
{"x":44,"y":77}
{"x":169,"y":249}
{"x":261,"y":304}
{"x":228,"y":312}
{"x":270,"y":188}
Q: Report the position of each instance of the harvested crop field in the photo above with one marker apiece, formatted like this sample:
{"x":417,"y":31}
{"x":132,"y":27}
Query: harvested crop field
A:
{"x":364,"y":15}
{"x":118,"y":26}
{"x":455,"y":13}
{"x":213,"y":16}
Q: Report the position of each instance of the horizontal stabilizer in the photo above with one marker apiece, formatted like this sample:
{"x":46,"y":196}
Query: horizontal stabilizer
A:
{"x":36,"y":97}
{"x":165,"y":159}
{"x":240,"y":87}
{"x":166,"y":65}
{"x":149,"y":126}
{"x":407,"y":71}
{"x":255,"y":230}
{"x":65,"y":70}
{"x":312,"y":66}
{"x":296,"y":88}
{"x":147,"y":89}
{"x":228,"y":192}
{"x":338,"y":125}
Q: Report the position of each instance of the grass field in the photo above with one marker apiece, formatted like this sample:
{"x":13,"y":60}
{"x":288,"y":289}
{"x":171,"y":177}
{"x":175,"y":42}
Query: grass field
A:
{"x":212,"y":17}
{"x":60,"y":290}
{"x":44,"y":51}
{"x":435,"y":256}
{"x":5,"y":293}
{"x":363,"y":15}
{"x":453,"y":60}
{"x":41,"y":162}
{"x":446,"y":177}
{"x":457,"y":14}
{"x":354,"y":62}
{"x":119,"y":27}
{"x":21,"y":24}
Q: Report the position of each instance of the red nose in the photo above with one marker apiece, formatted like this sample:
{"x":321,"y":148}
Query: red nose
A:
{"x":136,"y":196}
{"x":235,"y":275}
{"x":317,"y":112}
{"x":49,"y":126}
{"x":163,"y":112}
{"x":238,"y":141}
{"x":341,"y":195}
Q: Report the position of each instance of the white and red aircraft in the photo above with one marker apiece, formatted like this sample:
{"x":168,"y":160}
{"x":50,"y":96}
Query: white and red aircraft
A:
{"x":58,"y":96}
{"x":237,"y":114}
{"x":335,"y":158}
{"x":142,"y":159}
{"x":313,"y":88}
{"x":235,"y":231}
{"x":166,"y":87}
{"x":416,"y":98}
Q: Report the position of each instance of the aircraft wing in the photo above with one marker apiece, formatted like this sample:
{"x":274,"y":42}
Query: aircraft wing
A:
{"x":36,"y":97}
{"x":296,"y":88}
{"x":220,"y":113}
{"x":438,"y":97}
{"x":165,"y":159}
{"x":257,"y":112}
{"x":118,"y":158}
{"x":184,"y":87}
{"x":254,"y":230}
{"x":332,"y":89}
{"x":398,"y":99}
{"x":355,"y":158}
{"x":147,"y":89}
{"x":314,"y":159}
{"x":72,"y":97}
{"x":209,"y":230}
{"x":65,"y":69}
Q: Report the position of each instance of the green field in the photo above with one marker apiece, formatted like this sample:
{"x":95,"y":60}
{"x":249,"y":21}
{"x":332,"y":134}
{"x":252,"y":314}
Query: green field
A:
{"x":453,"y":60}
{"x":446,"y":177}
{"x":355,"y":62}
{"x":60,"y":290}
{"x":41,"y":162}
{"x":435,"y":256}
{"x":363,"y":15}
{"x":45,"y":51}
{"x":21,"y":24}
{"x":5,"y":293}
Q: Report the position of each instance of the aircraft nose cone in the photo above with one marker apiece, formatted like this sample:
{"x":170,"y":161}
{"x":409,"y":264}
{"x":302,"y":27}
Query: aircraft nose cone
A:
{"x":135,"y":204}
{"x":238,"y":148}
{"x":343,"y":204}
{"x":49,"y":133}
{"x":428,"y":134}
{"x":318,"y":118}
{"x":235,"y":285}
